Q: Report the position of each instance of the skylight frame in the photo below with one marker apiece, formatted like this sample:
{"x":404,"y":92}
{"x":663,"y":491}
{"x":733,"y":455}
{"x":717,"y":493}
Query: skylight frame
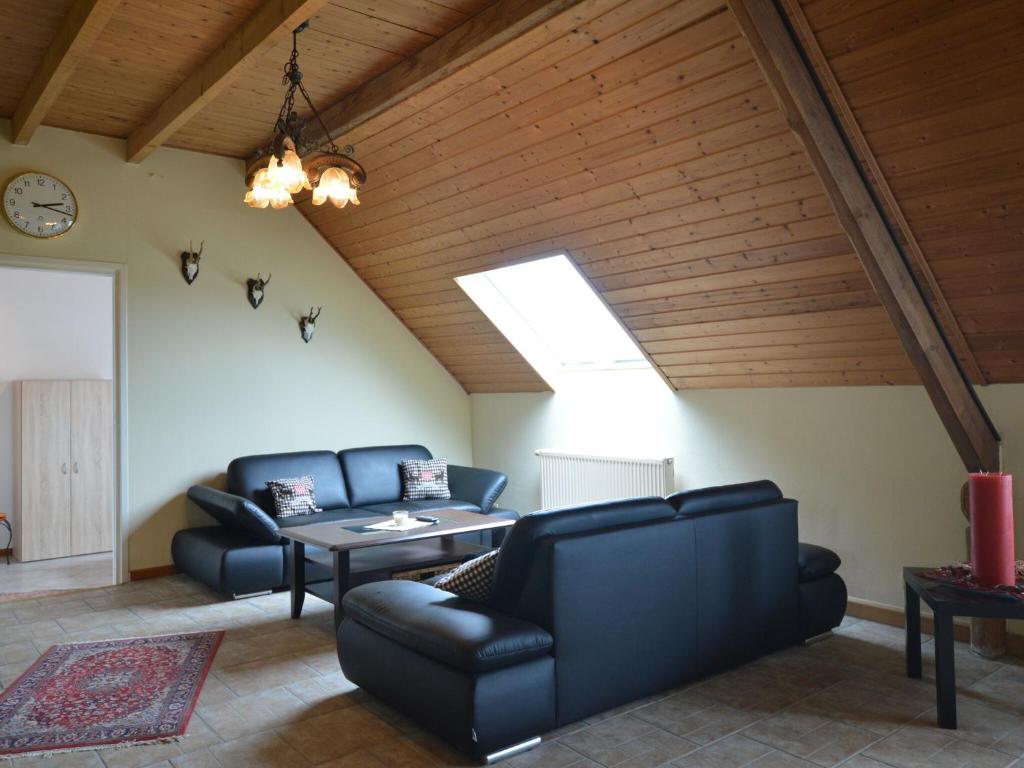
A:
{"x":528,"y":328}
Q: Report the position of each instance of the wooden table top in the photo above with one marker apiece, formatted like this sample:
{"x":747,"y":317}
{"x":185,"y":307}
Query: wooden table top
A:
{"x":335,"y":535}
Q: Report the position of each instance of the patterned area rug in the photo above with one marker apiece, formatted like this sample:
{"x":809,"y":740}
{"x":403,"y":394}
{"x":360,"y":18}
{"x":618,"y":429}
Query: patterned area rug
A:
{"x":105,"y":694}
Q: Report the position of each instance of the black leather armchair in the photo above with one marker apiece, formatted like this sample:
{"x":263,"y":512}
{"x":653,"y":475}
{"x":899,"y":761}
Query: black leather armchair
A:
{"x":591,"y":607}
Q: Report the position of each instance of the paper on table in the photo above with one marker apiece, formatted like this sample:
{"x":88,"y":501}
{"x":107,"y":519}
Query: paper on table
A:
{"x":389,"y":525}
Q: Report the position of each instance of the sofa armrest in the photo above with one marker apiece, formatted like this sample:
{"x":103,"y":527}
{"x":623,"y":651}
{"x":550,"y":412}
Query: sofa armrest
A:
{"x":477,"y":486}
{"x":236,"y":512}
{"x":816,"y":562}
{"x":435,"y":623}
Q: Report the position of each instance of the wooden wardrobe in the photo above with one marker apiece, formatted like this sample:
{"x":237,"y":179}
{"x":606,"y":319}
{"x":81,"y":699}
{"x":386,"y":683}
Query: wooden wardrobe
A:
{"x":64,"y":471}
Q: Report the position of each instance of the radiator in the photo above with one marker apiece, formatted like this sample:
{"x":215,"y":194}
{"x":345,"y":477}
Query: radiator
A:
{"x":575,"y":478}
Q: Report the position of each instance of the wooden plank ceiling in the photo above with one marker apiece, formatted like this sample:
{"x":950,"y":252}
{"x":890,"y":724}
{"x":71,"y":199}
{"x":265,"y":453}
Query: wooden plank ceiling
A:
{"x":639,"y":137}
{"x":642,"y":140}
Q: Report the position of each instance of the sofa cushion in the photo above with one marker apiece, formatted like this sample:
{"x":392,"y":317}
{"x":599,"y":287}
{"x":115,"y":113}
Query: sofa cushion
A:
{"x":424,"y":479}
{"x":419,"y":507}
{"x":248,"y":476}
{"x":816,"y":562}
{"x":464,"y":635}
{"x":293,"y":496}
{"x":708,"y":501}
{"x":471,"y":580}
{"x":323,"y":516}
{"x":371,"y":474}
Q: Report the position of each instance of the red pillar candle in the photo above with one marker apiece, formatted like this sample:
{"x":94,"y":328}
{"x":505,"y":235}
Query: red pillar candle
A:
{"x":991,"y":500}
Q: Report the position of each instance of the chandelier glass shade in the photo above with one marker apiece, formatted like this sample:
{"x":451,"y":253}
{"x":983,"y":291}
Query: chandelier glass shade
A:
{"x":278,"y":172}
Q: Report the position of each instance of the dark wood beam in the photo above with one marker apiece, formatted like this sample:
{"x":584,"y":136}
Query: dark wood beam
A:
{"x":269,"y":25}
{"x":794,"y":10}
{"x":487,"y":31}
{"x":79,"y":29}
{"x":807,"y":114}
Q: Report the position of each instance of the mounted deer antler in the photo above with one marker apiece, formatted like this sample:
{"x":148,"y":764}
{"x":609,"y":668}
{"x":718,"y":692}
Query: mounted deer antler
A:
{"x":190,"y":262}
{"x":307,"y":324}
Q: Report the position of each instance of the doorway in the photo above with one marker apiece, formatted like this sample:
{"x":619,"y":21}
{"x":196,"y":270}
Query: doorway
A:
{"x":61,"y":426}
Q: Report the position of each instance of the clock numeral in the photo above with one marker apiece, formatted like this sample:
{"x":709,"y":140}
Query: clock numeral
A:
{"x":41,"y":182}
{"x":17,"y":214}
{"x":19,"y":191}
{"x":11,"y":201}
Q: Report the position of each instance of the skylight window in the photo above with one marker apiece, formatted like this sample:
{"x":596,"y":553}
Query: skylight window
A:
{"x":549,"y":312}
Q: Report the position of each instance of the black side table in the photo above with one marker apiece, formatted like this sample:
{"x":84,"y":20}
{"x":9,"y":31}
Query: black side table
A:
{"x":947,"y":601}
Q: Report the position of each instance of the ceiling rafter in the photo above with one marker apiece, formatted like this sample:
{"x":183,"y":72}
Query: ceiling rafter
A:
{"x":479,"y":35}
{"x":849,"y":121}
{"x":79,"y":29}
{"x":778,"y":56}
{"x":271,"y":23}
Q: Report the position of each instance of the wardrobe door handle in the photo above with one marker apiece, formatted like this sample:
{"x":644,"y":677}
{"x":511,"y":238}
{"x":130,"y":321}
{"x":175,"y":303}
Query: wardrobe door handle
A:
{"x":75,"y":468}
{"x":64,"y":468}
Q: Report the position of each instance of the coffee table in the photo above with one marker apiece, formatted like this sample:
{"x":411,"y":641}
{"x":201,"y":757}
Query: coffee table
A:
{"x":946,"y":603}
{"x":358,"y":558}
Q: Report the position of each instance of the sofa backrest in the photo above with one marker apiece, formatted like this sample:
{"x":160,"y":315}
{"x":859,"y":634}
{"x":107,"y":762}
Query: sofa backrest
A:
{"x":747,"y":571}
{"x":709,"y":500}
{"x":372,"y":475}
{"x":615,"y":585}
{"x":248,"y":476}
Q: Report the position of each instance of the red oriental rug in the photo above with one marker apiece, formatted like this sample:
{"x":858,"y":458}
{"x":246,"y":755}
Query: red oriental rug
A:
{"x":105,"y":694}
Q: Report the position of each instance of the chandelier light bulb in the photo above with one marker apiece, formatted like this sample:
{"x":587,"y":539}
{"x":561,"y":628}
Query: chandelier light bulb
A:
{"x":334,"y":185}
{"x":267,"y":190}
{"x":289,"y":174}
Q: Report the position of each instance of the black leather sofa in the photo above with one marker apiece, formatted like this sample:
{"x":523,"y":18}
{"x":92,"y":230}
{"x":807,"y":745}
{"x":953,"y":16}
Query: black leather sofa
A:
{"x":593,"y":607}
{"x":248,"y":551}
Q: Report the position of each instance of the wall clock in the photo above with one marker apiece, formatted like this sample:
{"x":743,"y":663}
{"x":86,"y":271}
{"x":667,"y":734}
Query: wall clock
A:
{"x":40,"y":205}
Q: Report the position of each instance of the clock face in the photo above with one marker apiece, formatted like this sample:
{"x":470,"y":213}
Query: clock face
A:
{"x":39,"y":205}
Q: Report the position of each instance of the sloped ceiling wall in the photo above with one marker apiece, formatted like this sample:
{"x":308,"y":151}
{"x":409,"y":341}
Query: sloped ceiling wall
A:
{"x":639,"y":137}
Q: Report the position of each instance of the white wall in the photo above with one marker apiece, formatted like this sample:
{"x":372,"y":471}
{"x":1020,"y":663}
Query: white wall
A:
{"x":209,"y":378}
{"x":875,"y":474}
{"x":53,"y":325}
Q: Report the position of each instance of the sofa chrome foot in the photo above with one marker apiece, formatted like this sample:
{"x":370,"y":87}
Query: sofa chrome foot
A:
{"x":251,"y":594}
{"x":818,"y":638}
{"x":515,"y":749}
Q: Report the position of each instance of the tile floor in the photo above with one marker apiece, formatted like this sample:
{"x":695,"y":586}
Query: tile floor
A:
{"x":61,"y":573}
{"x":276,"y":698}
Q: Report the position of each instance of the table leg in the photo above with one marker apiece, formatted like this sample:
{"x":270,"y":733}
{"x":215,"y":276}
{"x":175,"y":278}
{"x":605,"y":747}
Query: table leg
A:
{"x":10,"y":537}
{"x":913,"y":614}
{"x":341,"y":585}
{"x":945,"y":672}
{"x":298,"y":577}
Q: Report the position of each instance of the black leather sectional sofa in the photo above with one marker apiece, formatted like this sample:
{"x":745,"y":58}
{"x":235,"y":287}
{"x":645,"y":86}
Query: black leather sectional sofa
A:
{"x":593,"y":607}
{"x":248,"y":551}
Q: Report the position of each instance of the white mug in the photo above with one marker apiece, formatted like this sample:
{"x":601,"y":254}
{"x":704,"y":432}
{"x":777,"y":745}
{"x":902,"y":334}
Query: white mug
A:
{"x":401,"y":517}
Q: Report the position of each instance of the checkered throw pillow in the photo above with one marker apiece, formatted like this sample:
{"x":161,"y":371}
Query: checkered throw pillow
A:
{"x":293,"y":496}
{"x":471,"y":580}
{"x":424,"y":479}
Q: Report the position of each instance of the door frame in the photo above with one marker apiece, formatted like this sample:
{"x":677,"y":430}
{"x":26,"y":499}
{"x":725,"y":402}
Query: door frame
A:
{"x":119,"y":273}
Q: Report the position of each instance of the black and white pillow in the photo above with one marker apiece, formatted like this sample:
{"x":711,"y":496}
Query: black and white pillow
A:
{"x":424,"y":479}
{"x":293,"y":496}
{"x":471,"y":580}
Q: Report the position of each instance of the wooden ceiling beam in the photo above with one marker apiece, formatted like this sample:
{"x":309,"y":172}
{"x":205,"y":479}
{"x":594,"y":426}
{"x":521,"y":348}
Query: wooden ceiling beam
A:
{"x":804,"y":106}
{"x":270,"y":24}
{"x":483,"y":33}
{"x":794,"y":10}
{"x":79,"y":29}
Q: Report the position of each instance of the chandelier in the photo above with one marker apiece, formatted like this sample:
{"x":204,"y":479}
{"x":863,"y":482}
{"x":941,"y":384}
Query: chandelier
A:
{"x":278,"y":172}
